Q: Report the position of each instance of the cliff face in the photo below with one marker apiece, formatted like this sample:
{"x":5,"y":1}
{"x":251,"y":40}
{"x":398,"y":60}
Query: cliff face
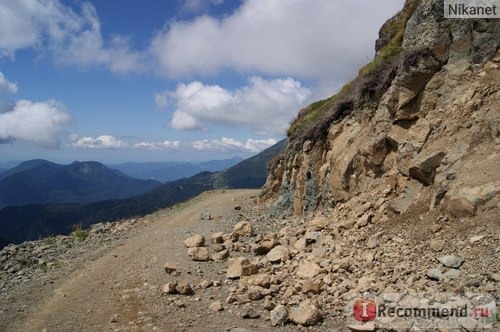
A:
{"x":420,"y":123}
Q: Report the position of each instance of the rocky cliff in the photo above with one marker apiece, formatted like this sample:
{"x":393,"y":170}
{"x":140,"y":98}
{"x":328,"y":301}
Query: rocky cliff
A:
{"x":419,"y":125}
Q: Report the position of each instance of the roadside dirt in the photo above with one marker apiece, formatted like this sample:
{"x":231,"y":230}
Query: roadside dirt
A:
{"x":121,"y":290}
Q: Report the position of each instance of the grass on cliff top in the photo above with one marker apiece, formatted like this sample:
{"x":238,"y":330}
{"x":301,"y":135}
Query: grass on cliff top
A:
{"x":318,"y":111}
{"x":315,"y":111}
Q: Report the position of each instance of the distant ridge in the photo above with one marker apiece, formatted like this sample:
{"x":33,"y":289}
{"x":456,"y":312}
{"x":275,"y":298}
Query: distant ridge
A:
{"x":31,"y":222}
{"x":43,"y":182}
{"x":173,"y":170}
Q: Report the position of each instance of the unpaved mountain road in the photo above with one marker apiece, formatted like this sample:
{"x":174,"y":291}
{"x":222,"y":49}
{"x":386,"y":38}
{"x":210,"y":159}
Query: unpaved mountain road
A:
{"x":121,"y":290}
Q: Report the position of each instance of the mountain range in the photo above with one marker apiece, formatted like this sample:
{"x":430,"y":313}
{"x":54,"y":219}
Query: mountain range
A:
{"x":43,"y":182}
{"x":29,"y":222}
{"x":173,"y":170}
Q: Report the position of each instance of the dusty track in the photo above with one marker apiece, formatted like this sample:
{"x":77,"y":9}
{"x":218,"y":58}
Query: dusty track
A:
{"x":121,"y":290}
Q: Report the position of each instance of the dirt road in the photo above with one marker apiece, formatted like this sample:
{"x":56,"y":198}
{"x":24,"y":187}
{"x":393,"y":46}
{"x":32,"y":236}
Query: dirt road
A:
{"x":121,"y":290}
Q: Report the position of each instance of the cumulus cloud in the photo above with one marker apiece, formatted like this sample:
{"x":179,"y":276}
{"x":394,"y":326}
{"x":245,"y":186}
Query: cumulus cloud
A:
{"x":265,"y":106}
{"x":197,"y":6}
{"x":35,"y":122}
{"x":317,"y":39}
{"x":73,"y":38}
{"x":159,"y":146}
{"x":6,"y":86}
{"x":230,"y":144}
{"x":225,"y":144}
{"x":99,"y":142}
{"x":184,"y":121}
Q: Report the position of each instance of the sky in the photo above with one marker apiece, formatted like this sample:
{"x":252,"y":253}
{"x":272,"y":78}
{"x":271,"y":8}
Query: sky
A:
{"x":186,"y":80}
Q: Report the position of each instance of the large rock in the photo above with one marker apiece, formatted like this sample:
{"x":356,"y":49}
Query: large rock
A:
{"x":309,"y":270}
{"x":199,"y":254}
{"x":278,"y":254}
{"x":370,"y":326}
{"x":169,"y":288}
{"x":451,"y":261}
{"x":261,"y":280}
{"x":318,"y":224}
{"x":217,"y":238}
{"x":374,"y":240}
{"x":279,"y":315}
{"x":268,"y":242}
{"x":462,"y":202}
{"x":437,"y":245}
{"x":184,"y":288}
{"x":407,"y":197}
{"x":435,"y":274}
{"x":423,"y":168}
{"x":241,"y":266}
{"x":170,"y":267}
{"x":459,"y":207}
{"x":216,"y":306}
{"x":221,"y":255}
{"x":306,"y":314}
{"x":205,"y":215}
{"x":195,"y":241}
{"x":243,"y":228}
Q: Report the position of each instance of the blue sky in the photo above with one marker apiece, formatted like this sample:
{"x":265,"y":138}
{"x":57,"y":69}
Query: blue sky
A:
{"x":154,"y":80}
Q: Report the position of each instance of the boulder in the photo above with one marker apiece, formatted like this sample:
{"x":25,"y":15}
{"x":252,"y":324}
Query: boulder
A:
{"x":169,"y":288}
{"x":306,"y":314}
{"x":452,"y":273}
{"x":468,"y":323}
{"x":170,"y":267}
{"x":195,"y":241}
{"x":462,"y":202}
{"x":243,"y":228}
{"x":451,"y":261}
{"x":308,"y":270}
{"x":423,"y":168}
{"x":250,"y":313}
{"x":268,"y":242}
{"x":278,"y":254}
{"x":406,"y":198}
{"x":220,"y":256}
{"x":184,"y":288}
{"x":205,"y":215}
{"x":437,"y":245}
{"x":374,"y":240}
{"x":241,"y":266}
{"x":199,"y":254}
{"x":279,"y":315}
{"x":370,"y":326}
{"x":312,"y":287}
{"x":261,"y":280}
{"x":217,"y":238}
{"x":216,"y":306}
{"x":435,"y":274}
{"x":317,"y":224}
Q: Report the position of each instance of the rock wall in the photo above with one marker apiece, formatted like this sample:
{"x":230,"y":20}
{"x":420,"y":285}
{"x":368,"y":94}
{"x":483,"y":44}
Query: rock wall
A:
{"x":434,"y":129}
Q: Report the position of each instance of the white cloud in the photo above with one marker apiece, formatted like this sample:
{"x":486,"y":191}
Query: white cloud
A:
{"x":72,"y":38}
{"x":224,"y":144}
{"x":159,"y":146}
{"x":197,"y":6}
{"x":35,"y":122}
{"x":6,"y":86}
{"x":230,"y":144}
{"x":265,"y":106}
{"x":316,"y":39}
{"x":184,"y":121}
{"x":99,"y":142}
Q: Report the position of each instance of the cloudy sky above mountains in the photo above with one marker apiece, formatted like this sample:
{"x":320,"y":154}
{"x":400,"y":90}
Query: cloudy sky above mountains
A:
{"x":129,"y":80}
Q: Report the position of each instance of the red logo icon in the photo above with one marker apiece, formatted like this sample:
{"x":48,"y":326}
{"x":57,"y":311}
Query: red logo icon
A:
{"x":365,"y":310}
